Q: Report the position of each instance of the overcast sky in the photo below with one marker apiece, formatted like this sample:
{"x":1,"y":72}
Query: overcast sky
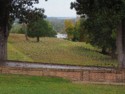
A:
{"x":57,"y":8}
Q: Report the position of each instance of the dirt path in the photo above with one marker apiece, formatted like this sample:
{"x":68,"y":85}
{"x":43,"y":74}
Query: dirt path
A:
{"x":51,"y":66}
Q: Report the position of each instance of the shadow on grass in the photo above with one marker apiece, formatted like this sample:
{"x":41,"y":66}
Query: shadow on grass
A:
{"x":95,"y":55}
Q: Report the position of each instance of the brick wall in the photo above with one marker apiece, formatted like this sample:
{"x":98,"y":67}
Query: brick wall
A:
{"x":100,"y":75}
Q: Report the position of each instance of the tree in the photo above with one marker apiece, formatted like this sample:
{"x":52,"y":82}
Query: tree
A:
{"x":69,"y":28}
{"x":72,"y":29}
{"x":92,"y":34}
{"x":40,"y":28}
{"x":110,"y":12}
{"x":76,"y":31}
{"x":9,"y":11}
{"x":100,"y":35}
{"x":83,"y":34}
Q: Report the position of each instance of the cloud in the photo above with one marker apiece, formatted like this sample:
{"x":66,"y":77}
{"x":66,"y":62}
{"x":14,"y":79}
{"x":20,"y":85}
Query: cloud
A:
{"x":57,"y":8}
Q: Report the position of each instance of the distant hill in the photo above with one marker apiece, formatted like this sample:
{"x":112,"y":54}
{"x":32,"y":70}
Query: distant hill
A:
{"x":64,"y":17}
{"x":58,"y":22}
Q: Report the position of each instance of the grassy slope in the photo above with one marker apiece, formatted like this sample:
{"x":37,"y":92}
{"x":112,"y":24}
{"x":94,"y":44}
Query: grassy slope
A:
{"x":17,"y":84}
{"x":52,"y":50}
{"x":15,"y":54}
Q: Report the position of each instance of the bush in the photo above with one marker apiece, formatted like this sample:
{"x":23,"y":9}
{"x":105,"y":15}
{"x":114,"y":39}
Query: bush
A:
{"x":18,"y":28}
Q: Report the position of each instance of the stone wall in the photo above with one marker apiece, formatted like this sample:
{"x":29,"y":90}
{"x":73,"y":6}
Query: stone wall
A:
{"x":94,"y":75}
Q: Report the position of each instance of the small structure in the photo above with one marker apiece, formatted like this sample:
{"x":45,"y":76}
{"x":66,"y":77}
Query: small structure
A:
{"x":62,"y":36}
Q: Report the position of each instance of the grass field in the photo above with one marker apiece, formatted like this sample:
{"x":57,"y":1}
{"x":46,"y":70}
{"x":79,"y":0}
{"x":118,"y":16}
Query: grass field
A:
{"x":17,"y":84}
{"x":59,"y":51}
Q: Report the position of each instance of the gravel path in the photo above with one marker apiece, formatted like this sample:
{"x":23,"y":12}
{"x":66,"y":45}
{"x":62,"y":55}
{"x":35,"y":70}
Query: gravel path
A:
{"x":51,"y":66}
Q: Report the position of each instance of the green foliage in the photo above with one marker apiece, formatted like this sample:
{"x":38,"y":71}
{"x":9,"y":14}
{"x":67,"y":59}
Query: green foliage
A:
{"x":103,"y":17}
{"x":18,"y":84}
{"x":18,"y":28}
{"x":21,"y":9}
{"x":112,"y":11}
{"x":51,"y":32}
{"x":76,"y":31}
{"x":72,"y":30}
{"x":15,"y":28}
{"x":40,"y":28}
{"x":100,"y":34}
{"x":10,"y":10}
{"x":83,"y":34}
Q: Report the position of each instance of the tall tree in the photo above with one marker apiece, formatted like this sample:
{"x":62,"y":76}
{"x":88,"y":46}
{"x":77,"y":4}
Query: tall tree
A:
{"x":108,"y":11}
{"x":40,"y":28}
{"x":101,"y":35}
{"x":9,"y":10}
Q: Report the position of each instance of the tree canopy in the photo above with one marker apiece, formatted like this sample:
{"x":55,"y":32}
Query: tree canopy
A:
{"x":107,"y":14}
{"x":21,"y":9}
{"x":40,"y":28}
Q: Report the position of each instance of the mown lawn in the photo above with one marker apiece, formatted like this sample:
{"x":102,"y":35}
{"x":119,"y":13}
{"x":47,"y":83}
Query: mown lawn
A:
{"x":53,"y":50}
{"x":17,"y":84}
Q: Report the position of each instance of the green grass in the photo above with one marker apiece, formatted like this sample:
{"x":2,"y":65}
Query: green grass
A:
{"x":16,"y":54}
{"x":59,"y":51}
{"x":17,"y":84}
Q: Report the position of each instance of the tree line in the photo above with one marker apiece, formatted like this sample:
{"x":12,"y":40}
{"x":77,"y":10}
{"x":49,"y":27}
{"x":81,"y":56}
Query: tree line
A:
{"x":38,"y":28}
{"x":105,"y":24}
{"x":101,"y":37}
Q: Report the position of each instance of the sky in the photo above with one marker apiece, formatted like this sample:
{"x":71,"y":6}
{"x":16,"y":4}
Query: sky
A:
{"x":57,"y":8}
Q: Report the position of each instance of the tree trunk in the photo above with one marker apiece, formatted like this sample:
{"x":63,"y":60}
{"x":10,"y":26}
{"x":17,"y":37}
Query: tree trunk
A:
{"x":3,"y":45}
{"x":37,"y":39}
{"x":104,"y":50}
{"x":25,"y":30}
{"x":26,"y":36}
{"x":113,"y":53}
{"x":4,"y":22}
{"x":121,"y":44}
